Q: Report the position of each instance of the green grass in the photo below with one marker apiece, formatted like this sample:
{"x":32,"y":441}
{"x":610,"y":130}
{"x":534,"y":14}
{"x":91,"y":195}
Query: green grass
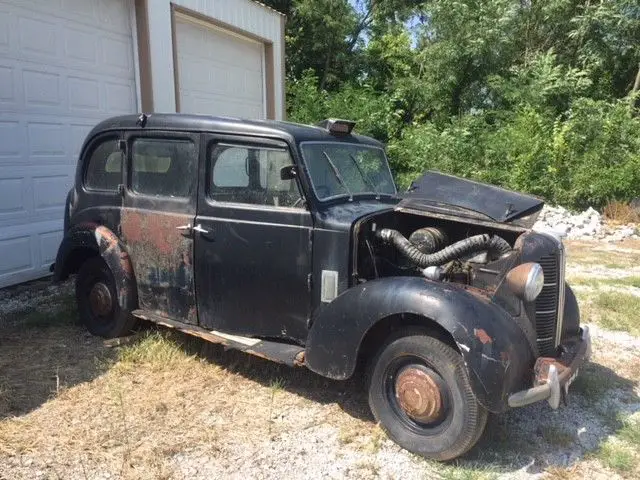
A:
{"x":630,"y":431}
{"x":159,"y":349}
{"x":615,"y":311}
{"x":617,"y":456}
{"x":63,"y":312}
{"x":467,"y":472}
{"x":557,"y":436}
{"x":615,"y":282}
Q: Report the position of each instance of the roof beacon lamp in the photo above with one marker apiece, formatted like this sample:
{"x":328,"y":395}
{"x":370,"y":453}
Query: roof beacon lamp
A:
{"x":337,"y":127}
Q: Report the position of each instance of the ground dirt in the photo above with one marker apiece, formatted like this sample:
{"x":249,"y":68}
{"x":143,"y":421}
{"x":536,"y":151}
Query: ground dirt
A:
{"x":167,"y":406}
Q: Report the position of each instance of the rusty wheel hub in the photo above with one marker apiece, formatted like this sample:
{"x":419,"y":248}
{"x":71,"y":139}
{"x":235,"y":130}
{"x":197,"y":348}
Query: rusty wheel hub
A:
{"x":100,"y":299}
{"x":419,"y":394}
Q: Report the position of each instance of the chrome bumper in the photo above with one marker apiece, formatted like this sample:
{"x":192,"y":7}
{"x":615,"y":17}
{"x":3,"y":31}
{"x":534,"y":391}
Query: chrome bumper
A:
{"x":552,"y":375}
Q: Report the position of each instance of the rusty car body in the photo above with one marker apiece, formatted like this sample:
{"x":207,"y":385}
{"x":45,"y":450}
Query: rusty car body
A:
{"x":290,"y":242}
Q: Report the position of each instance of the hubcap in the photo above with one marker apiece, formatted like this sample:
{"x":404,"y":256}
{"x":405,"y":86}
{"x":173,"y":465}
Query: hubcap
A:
{"x":100,"y":299}
{"x":418,"y":394}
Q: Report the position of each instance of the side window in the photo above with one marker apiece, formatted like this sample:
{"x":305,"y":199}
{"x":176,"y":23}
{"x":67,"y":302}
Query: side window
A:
{"x":244,"y":174}
{"x":163,"y":167}
{"x":104,"y":168}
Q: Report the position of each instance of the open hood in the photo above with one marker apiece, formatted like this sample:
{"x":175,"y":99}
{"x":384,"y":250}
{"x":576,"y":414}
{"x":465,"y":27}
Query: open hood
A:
{"x":447,"y":195}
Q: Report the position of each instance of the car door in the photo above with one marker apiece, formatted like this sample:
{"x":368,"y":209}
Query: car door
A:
{"x":159,"y":207}
{"x":253,"y":245}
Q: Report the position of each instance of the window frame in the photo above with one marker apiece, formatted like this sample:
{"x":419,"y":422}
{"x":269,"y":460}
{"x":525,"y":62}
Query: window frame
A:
{"x":259,"y":143}
{"x":97,"y":142}
{"x":134,"y":136}
{"x":345,"y":195}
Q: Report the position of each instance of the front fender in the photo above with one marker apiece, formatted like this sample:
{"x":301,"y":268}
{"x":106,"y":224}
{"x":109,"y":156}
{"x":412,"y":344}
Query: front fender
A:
{"x":99,"y":240}
{"x":495,"y":350}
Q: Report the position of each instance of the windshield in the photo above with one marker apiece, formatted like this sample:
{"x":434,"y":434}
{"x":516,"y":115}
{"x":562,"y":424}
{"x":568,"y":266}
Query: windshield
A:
{"x":347,"y":169}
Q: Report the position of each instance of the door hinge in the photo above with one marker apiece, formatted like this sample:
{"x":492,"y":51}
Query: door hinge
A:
{"x":309,"y":282}
{"x":122,"y":145}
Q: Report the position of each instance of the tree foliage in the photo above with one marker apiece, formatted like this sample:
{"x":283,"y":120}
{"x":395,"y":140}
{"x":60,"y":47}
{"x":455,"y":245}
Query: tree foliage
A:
{"x":535,"y":95}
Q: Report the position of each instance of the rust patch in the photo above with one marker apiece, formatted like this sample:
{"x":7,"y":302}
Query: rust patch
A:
{"x":541,"y":369}
{"x":299,"y":360}
{"x":161,"y":258}
{"x":482,"y":335}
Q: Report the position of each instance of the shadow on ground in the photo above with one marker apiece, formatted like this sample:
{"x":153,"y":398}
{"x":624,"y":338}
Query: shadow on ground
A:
{"x":42,"y":348}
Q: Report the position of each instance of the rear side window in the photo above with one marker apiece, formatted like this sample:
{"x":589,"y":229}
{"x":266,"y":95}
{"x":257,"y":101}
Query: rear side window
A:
{"x":104,"y":169}
{"x":163,"y":167}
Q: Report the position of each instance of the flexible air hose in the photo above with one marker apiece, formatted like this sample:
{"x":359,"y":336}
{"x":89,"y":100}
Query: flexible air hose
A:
{"x":496,"y":246}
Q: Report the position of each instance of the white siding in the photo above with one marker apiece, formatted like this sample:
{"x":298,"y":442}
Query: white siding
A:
{"x":244,"y":15}
{"x":64,"y":66}
{"x":219,"y":73}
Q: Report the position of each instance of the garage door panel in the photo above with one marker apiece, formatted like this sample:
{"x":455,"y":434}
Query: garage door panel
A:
{"x":14,"y":202}
{"x":49,"y":193}
{"x":18,"y":255}
{"x":64,"y":66}
{"x":12,"y":139}
{"x":48,"y":243}
{"x":220,"y":73}
{"x":119,"y":97}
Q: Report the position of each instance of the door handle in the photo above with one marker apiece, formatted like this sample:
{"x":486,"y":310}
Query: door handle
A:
{"x":184,"y":228}
{"x":198,"y":228}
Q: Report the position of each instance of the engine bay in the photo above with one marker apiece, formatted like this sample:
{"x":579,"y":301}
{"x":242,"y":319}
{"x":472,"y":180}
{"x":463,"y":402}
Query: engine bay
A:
{"x":397,"y":243}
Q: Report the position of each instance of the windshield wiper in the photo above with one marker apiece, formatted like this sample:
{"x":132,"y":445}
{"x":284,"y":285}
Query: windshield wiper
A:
{"x":365,"y":178}
{"x":336,"y":172}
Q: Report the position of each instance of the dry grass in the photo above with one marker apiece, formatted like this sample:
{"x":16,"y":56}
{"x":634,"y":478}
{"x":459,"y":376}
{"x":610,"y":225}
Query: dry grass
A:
{"x":82,"y":409}
{"x":620,"y":212}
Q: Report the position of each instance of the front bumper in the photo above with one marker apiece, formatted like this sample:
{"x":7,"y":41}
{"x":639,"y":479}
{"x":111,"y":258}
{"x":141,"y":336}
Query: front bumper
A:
{"x":554,"y":375}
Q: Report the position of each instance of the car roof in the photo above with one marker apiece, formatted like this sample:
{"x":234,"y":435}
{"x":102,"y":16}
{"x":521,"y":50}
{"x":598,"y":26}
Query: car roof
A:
{"x":293,"y":132}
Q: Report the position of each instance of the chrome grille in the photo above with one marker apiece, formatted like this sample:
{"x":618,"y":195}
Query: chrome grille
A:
{"x":547,"y":304}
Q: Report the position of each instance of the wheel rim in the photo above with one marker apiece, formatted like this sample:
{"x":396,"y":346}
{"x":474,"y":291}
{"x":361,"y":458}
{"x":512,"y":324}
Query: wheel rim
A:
{"x":100,"y":300}
{"x":418,"y":396}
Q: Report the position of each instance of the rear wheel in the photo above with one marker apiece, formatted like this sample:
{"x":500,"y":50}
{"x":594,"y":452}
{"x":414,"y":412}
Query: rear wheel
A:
{"x":97,"y":299}
{"x":419,"y":391}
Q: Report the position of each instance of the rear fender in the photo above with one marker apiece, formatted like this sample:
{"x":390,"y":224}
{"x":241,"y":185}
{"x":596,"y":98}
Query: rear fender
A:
{"x":103,"y":242}
{"x":496,"y":352}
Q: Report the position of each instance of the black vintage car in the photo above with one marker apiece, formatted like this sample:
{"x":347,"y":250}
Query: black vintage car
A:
{"x":290,"y":242}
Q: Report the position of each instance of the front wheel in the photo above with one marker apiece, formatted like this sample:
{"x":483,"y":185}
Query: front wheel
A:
{"x":419,"y":391}
{"x":97,"y":298}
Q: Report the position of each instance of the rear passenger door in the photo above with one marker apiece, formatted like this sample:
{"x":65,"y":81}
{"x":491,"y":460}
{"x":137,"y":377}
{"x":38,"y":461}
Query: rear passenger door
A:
{"x":159,"y":208}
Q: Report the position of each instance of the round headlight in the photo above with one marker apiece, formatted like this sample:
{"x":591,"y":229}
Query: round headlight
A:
{"x":526,"y":281}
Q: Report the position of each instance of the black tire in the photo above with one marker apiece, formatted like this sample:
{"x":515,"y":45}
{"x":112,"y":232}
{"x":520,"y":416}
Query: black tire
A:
{"x":446,"y":428}
{"x":97,"y":298}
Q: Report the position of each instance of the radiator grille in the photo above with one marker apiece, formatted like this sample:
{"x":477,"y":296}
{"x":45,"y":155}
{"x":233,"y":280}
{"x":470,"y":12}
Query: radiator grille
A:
{"x":547,"y":304}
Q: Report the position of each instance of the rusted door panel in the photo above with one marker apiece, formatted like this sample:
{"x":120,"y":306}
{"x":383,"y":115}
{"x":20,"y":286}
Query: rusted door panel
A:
{"x":162,"y":259}
{"x":156,"y":225}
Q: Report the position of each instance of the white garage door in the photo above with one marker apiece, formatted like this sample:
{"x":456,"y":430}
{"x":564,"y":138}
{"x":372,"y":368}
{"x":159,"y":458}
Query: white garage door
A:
{"x":219,"y":73}
{"x":64,"y":66}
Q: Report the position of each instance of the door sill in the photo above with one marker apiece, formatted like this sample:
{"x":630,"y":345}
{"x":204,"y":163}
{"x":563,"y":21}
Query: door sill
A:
{"x":285,"y":353}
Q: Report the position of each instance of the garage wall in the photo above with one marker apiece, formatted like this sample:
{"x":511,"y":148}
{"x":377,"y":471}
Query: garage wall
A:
{"x":64,"y":66}
{"x":218,"y":72}
{"x":244,"y":17}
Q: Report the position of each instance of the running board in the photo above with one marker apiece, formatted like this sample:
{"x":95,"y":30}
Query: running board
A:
{"x":292,"y":355}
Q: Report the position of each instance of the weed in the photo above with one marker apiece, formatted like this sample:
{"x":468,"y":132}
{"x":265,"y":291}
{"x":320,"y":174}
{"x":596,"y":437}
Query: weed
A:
{"x":158,"y":349}
{"x":616,"y":455}
{"x":557,"y":436}
{"x":630,"y":431}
